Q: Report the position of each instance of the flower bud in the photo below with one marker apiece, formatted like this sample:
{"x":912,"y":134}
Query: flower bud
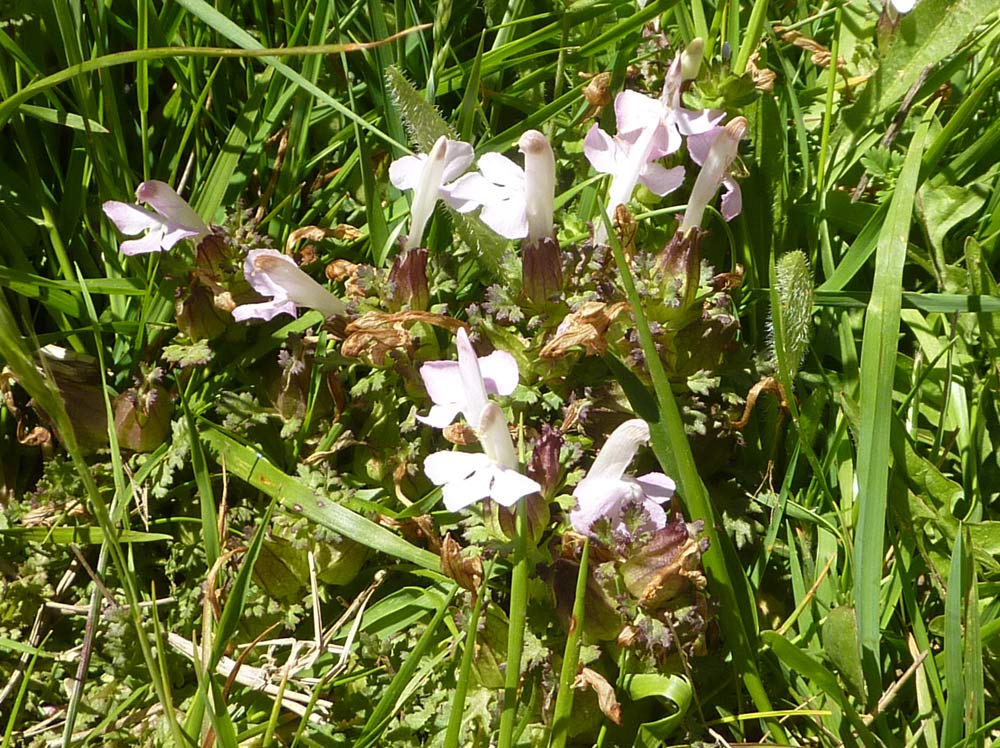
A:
{"x":691,"y":59}
{"x":541,"y":269}
{"x":142,"y":417}
{"x":668,"y":565}
{"x":408,"y":277}
{"x":198,"y":317}
{"x":680,"y":264}
{"x":544,"y":467}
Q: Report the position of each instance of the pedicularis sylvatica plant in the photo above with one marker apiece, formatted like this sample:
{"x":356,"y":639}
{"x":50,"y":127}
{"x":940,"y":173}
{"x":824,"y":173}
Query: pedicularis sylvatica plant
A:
{"x":494,"y":400}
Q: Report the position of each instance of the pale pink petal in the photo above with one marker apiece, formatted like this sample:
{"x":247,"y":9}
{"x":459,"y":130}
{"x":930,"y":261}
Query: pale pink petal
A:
{"x":509,"y":485}
{"x":405,"y":172}
{"x":473,"y":391}
{"x":460,"y":494}
{"x":442,"y":381}
{"x":661,"y":181}
{"x":732,"y":199}
{"x":635,"y":111}
{"x":657,"y":486}
{"x":500,"y":373}
{"x":131,"y":219}
{"x":699,"y":121}
{"x":598,"y":498}
{"x":604,"y":154}
{"x":175,"y":233}
{"x":618,"y":451}
{"x":473,"y":189}
{"x":262,"y":282}
{"x":509,"y":218}
{"x":265,"y":310}
{"x":701,"y":143}
{"x":168,"y":203}
{"x":151,"y":242}
{"x":441,"y":415}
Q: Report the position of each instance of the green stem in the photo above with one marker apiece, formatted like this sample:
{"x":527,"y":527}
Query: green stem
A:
{"x":571,"y":657}
{"x":670,"y":444}
{"x":453,"y":735}
{"x":516,"y":623}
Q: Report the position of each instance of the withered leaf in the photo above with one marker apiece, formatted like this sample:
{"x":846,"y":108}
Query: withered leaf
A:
{"x":376,"y":334}
{"x":587,"y":327}
{"x":606,"y":697}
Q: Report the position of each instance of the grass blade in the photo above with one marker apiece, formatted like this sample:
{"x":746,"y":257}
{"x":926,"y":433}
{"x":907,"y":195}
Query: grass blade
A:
{"x":878,"y":365}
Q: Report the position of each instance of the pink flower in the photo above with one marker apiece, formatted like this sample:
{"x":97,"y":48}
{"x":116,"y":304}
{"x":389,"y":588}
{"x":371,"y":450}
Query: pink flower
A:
{"x":606,"y":492}
{"x":715,"y":151}
{"x":468,"y":477}
{"x":171,"y":220}
{"x":648,"y":130}
{"x":443,"y":380}
{"x":273,"y":274}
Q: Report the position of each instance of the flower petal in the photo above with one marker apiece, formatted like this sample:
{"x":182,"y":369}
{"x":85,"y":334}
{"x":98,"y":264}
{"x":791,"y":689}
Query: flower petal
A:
{"x":509,"y":218}
{"x":458,"y":159}
{"x":661,"y":181}
{"x":445,"y":467}
{"x":131,"y":219}
{"x":732,"y":199}
{"x":460,"y":494}
{"x":405,"y":172}
{"x":509,"y":485}
{"x":151,"y":242}
{"x":619,"y":449}
{"x":440,"y":415}
{"x":265,"y":310}
{"x":657,"y":486}
{"x":442,"y":380}
{"x":604,"y":154}
{"x":500,"y":374}
{"x":635,"y":111}
{"x":168,"y":203}
{"x":500,"y":170}
{"x":598,"y":498}
{"x":473,"y":389}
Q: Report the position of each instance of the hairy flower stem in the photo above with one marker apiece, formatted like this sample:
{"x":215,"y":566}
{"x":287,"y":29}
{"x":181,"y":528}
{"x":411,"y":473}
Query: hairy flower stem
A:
{"x":670,"y":444}
{"x":516,"y":623}
{"x":571,"y":656}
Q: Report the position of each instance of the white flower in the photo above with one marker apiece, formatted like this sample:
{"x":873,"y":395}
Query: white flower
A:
{"x":429,"y":175}
{"x":606,"y":492}
{"x":273,"y":274}
{"x":171,"y":220}
{"x":467,"y":477}
{"x":517,"y":203}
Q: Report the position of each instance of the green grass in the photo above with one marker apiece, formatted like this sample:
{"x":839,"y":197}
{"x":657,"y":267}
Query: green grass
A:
{"x":851,"y":575}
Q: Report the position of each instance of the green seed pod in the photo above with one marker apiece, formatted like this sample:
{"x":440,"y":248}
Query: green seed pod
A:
{"x":795,"y":295}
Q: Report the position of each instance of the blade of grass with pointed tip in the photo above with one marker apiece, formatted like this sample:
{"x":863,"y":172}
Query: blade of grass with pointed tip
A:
{"x":878,"y":366}
{"x":671,"y":447}
{"x":252,"y":467}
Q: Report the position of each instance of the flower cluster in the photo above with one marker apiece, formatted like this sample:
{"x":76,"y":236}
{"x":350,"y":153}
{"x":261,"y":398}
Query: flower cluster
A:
{"x":463,"y":387}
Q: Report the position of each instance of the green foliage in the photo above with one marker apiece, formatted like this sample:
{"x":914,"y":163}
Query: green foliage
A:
{"x":847,"y":478}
